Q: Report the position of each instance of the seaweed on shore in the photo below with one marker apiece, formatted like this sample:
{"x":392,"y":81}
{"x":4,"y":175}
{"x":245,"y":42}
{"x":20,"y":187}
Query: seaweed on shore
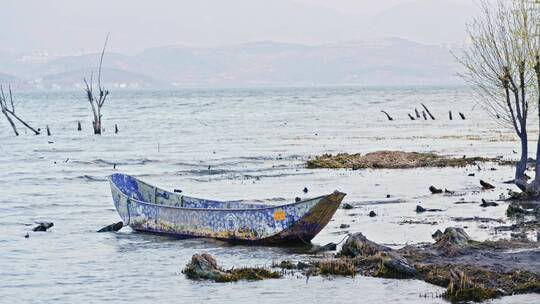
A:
{"x":204,"y":267}
{"x":395,"y":160}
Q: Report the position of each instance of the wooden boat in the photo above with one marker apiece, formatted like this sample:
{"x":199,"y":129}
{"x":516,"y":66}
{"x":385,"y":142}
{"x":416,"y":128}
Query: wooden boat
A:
{"x":150,"y":209}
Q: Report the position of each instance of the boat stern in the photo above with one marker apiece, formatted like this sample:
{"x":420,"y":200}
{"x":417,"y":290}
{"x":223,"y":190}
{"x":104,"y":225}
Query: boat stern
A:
{"x":307,"y":227}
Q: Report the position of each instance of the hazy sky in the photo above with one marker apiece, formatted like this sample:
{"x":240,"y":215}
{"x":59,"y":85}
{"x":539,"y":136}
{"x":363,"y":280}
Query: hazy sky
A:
{"x":69,"y":26}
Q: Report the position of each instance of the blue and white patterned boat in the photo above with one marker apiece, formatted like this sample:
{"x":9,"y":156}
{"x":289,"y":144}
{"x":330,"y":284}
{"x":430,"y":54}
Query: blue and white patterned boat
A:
{"x":150,"y":209}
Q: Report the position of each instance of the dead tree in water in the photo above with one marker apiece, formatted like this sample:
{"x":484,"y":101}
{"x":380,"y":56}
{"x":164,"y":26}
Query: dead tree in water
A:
{"x":417,"y":113}
{"x":388,"y":115}
{"x":499,"y":62}
{"x":98,"y":101}
{"x":428,"y":112}
{"x":8,"y":109}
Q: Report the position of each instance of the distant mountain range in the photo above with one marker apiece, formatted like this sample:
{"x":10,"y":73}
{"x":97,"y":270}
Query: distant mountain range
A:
{"x":372,"y":62}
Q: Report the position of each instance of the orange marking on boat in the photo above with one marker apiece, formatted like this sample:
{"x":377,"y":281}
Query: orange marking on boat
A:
{"x":279,"y":215}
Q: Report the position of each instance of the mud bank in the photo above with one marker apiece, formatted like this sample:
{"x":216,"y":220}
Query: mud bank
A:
{"x":395,"y":160}
{"x":470,"y":270}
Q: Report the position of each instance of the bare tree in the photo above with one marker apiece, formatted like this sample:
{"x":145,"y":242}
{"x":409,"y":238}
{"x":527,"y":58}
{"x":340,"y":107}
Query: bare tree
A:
{"x":98,"y":101}
{"x":8,"y":109}
{"x":534,"y":50}
{"x":498,"y":63}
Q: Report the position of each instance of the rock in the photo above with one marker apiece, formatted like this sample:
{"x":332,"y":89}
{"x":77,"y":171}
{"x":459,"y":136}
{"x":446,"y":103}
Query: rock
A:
{"x":437,"y":235}
{"x":325,"y":248}
{"x":112,"y":227}
{"x":286,"y":265}
{"x":519,"y":236}
{"x":471,"y":174}
{"x":204,"y":266}
{"x":27,"y":235}
{"x":453,"y":236}
{"x":515,"y":209}
{"x":347,"y":206}
{"x":303,"y":265}
{"x":514,"y":194}
{"x":390,"y":263}
{"x":388,"y":196}
{"x":395,"y":266}
{"x":420,"y":209}
{"x":485,"y":204}
{"x":486,"y":185}
{"x":177,"y":191}
{"x":305,"y":190}
{"x":343,"y":226}
{"x":435,"y":190}
{"x":358,"y":245}
{"x":43,"y":226}
{"x":372,"y":214}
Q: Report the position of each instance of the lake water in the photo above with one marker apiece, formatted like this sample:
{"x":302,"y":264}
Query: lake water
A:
{"x":248,"y":144}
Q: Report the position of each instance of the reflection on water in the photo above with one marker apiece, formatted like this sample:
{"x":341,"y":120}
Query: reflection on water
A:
{"x":231,"y":145}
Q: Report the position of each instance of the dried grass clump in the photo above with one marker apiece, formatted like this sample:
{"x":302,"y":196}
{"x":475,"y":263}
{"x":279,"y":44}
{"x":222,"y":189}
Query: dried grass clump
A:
{"x":393,"y":160}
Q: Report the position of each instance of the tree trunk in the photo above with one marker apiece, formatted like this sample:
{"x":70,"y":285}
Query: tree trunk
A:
{"x":11,"y":123}
{"x":97,"y":127}
{"x":23,"y":122}
{"x":522,"y":163}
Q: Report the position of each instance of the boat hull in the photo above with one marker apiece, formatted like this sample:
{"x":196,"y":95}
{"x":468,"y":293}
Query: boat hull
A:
{"x":292,"y":223}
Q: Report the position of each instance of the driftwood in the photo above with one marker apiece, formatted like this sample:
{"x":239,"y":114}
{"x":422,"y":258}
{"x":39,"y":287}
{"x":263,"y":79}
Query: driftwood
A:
{"x":43,"y":226}
{"x":387,"y":115}
{"x":8,"y":109}
{"x":485,"y":204}
{"x":427,"y":110}
{"x":112,"y":227}
{"x":420,"y":209}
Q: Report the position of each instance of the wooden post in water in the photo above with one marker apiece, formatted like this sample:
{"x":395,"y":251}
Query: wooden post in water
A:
{"x":48,"y":131}
{"x":79,"y":127}
{"x":462,"y":115}
{"x":410,"y":116}
{"x":115,"y":129}
{"x":450,"y":115}
{"x":424,"y":114}
{"x":417,"y":113}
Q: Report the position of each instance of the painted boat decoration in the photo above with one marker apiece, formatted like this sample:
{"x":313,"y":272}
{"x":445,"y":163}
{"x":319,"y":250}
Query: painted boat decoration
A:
{"x":147,"y":208}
